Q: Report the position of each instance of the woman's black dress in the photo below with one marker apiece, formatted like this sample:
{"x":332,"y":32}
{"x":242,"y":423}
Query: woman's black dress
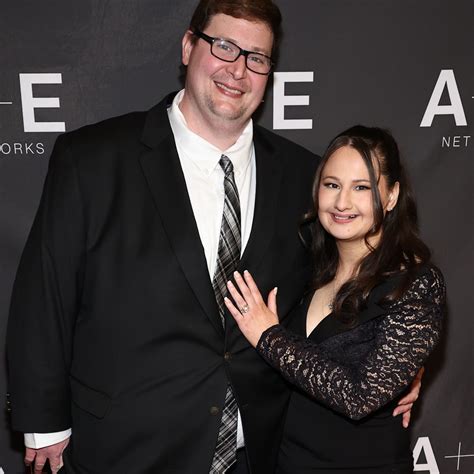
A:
{"x":349,"y":380}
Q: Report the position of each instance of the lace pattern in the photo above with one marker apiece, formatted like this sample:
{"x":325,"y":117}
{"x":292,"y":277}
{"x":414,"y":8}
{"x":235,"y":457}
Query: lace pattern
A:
{"x":359,"y":371}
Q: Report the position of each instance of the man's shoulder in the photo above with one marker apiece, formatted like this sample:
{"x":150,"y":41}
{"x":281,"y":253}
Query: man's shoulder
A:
{"x":110,"y":143}
{"x":280,"y":142}
{"x":286,"y":147}
{"x":111,"y":132}
{"x":119,"y":131}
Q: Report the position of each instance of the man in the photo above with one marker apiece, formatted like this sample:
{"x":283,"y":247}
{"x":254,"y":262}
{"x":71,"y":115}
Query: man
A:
{"x":117,"y":329}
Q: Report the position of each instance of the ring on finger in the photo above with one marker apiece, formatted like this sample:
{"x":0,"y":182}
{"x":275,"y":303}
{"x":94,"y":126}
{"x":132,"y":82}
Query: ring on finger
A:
{"x":244,"y":309}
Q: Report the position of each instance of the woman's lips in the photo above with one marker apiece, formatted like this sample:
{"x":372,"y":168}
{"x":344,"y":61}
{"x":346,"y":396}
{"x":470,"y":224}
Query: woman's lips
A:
{"x":343,"y":218}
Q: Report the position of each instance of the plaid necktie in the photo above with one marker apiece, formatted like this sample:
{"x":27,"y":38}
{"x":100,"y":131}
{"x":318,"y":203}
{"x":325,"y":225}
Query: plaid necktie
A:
{"x":228,"y":256}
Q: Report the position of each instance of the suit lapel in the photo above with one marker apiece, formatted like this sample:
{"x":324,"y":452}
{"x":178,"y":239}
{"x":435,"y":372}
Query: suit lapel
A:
{"x":269,"y":175}
{"x":165,"y":179}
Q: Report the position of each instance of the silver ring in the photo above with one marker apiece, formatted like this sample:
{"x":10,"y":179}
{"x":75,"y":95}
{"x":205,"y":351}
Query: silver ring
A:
{"x":245,"y":309}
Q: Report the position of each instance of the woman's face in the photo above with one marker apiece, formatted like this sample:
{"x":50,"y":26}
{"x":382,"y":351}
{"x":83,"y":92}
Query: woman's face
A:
{"x":345,"y":197}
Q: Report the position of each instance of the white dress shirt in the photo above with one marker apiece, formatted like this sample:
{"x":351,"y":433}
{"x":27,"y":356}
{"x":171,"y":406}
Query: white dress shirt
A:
{"x":205,"y":184}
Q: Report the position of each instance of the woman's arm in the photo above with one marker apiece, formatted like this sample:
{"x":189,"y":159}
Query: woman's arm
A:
{"x":404,"y":338}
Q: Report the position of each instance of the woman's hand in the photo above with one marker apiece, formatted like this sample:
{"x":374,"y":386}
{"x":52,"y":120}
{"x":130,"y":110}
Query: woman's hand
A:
{"x":250,"y":312}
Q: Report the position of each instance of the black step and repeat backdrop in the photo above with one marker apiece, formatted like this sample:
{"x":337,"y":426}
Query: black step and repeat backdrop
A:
{"x":404,"y":65}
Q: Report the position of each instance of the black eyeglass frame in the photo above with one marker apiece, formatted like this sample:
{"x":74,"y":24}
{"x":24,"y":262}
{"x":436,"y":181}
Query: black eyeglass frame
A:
{"x":242,"y":52}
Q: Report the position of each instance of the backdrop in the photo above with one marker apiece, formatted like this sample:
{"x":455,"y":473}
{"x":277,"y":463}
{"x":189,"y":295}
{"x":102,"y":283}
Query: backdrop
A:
{"x":402,"y":65}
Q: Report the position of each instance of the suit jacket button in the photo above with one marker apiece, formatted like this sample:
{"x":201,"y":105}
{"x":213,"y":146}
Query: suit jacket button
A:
{"x":227,"y":356}
{"x":214,"y":410}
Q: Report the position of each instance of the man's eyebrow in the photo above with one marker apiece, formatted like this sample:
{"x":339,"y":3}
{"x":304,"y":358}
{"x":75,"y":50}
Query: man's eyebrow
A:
{"x":253,"y":49}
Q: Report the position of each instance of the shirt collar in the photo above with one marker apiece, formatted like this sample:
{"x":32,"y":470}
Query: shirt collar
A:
{"x":202,"y":153}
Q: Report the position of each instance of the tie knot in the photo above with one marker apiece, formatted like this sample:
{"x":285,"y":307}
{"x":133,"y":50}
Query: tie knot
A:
{"x":226,"y":165}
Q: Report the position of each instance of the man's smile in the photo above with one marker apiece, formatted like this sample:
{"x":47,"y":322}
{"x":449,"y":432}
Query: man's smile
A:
{"x":227,"y":89}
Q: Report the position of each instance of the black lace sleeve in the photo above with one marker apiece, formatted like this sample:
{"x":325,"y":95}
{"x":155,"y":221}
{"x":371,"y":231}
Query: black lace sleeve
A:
{"x":404,"y":338}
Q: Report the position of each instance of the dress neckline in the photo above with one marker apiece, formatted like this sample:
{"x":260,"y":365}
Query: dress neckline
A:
{"x":307,"y":303}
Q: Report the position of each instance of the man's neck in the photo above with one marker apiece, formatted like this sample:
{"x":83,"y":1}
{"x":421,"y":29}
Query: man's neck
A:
{"x":223,"y":140}
{"x":222,"y":134}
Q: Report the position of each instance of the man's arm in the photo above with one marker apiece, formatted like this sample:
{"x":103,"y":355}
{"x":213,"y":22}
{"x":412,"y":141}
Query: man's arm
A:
{"x":405,"y":404}
{"x":45,"y":300}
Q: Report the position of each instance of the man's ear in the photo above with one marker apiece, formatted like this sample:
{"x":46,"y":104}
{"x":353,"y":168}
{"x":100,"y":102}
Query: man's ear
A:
{"x":187,"y":45}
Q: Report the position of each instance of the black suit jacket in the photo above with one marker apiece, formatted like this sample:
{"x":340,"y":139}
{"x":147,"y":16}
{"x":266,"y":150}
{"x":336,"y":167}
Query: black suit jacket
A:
{"x":114,"y":328}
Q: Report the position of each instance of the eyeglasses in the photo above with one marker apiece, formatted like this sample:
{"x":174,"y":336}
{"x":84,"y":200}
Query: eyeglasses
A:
{"x":229,"y":52}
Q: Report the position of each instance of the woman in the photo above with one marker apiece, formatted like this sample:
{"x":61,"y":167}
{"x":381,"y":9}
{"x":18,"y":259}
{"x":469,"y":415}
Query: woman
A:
{"x":357,"y":340}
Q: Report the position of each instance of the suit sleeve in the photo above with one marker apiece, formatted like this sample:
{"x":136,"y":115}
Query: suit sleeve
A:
{"x":404,"y":339}
{"x":45,"y":302}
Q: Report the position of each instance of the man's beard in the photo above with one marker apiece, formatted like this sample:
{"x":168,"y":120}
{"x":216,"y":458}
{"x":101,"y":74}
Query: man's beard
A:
{"x":234,"y":114}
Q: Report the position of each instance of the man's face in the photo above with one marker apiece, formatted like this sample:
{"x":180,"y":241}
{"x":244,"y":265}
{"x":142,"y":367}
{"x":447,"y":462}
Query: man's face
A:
{"x":218,"y":91}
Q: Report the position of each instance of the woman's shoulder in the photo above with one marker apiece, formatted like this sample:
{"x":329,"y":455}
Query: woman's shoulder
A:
{"x":418,"y":270}
{"x":423,"y":288}
{"x":427,"y":279}
{"x":423,"y":280}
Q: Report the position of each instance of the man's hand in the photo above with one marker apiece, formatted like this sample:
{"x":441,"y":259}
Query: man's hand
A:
{"x":405,"y":404}
{"x":53,"y":453}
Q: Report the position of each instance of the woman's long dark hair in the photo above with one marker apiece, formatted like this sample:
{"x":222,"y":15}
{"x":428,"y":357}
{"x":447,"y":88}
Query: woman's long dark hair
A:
{"x":399,"y":249}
